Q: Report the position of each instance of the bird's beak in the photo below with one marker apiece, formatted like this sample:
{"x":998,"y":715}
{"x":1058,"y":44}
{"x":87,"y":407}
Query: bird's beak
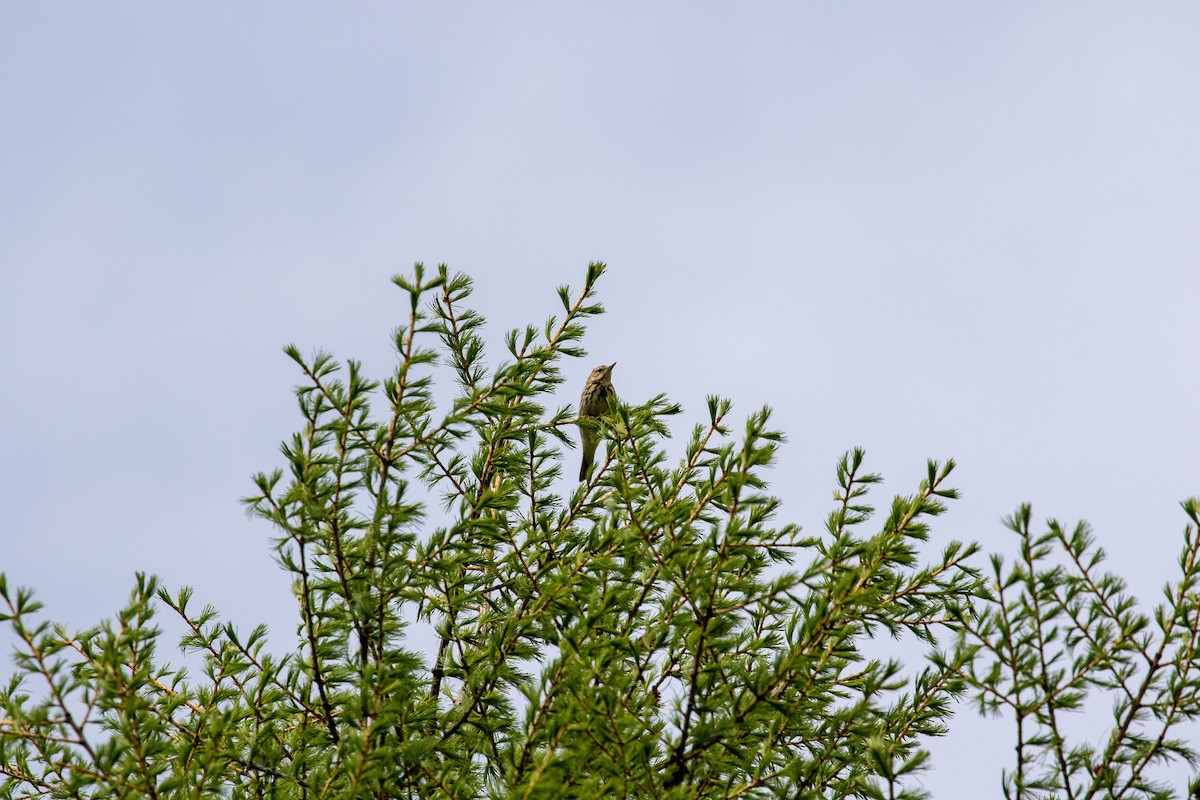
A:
{"x":610,"y":367}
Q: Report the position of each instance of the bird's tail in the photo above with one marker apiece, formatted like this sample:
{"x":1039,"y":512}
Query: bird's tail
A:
{"x":589,"y":452}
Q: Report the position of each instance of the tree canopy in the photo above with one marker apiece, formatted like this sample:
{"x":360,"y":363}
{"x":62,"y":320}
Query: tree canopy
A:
{"x":654,"y":631}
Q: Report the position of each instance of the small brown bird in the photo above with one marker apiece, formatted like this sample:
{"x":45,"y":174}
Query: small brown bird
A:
{"x":594,"y":403}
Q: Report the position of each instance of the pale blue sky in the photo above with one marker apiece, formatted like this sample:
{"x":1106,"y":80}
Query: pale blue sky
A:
{"x":929,"y":229}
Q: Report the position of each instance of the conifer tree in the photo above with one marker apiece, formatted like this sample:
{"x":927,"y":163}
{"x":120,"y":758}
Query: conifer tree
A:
{"x":657,"y":631}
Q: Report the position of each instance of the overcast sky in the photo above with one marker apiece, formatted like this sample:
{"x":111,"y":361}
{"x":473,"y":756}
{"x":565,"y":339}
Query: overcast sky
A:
{"x":931,"y":230}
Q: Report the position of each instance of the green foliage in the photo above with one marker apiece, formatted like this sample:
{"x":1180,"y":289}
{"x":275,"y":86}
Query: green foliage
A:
{"x":650,"y":633}
{"x":1060,"y":630}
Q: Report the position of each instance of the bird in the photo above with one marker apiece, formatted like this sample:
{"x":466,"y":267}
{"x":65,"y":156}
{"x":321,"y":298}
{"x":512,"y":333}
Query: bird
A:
{"x":593,"y":403}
